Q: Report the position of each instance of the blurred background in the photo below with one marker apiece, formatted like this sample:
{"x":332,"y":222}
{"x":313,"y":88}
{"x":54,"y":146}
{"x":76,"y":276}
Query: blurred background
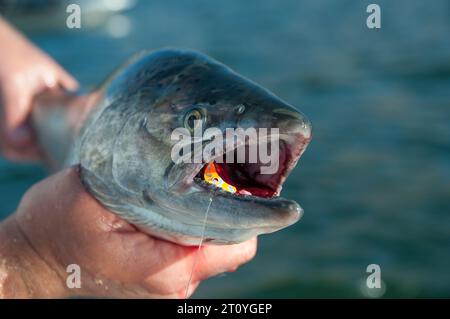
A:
{"x":375,"y":181}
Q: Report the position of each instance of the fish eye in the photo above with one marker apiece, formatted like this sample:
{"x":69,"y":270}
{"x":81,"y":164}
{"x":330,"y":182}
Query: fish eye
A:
{"x":193,"y":119}
{"x":239,"y":109}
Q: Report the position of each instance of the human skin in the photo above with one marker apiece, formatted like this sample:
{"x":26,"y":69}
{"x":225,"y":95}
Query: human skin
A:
{"x":58,"y":223}
{"x":25,"y":71}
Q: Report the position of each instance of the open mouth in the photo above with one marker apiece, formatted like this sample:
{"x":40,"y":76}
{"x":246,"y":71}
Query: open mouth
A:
{"x":246,"y":179}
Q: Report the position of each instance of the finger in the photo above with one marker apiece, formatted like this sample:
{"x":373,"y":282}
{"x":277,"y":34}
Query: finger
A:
{"x":67,"y":81}
{"x":214,"y":260}
{"x":185,"y":292}
{"x":190,"y":290}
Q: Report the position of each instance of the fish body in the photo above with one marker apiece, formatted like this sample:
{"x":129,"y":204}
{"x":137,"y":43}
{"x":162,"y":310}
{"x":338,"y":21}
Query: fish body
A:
{"x":121,"y":136}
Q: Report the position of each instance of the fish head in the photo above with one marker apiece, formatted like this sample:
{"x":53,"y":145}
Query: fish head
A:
{"x":171,"y":115}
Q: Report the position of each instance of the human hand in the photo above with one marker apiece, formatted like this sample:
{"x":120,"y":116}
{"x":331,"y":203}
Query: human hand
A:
{"x":58,"y":223}
{"x":25,"y":71}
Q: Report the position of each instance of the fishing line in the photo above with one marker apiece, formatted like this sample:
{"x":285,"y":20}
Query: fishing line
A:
{"x":198,"y":249}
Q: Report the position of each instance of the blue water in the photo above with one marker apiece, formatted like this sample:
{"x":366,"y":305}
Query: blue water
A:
{"x":374,"y":183}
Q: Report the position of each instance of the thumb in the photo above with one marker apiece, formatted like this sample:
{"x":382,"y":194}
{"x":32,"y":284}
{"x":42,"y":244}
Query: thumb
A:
{"x":67,"y":81}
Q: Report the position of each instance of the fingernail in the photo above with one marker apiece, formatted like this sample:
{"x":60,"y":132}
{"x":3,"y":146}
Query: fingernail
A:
{"x":20,"y":134}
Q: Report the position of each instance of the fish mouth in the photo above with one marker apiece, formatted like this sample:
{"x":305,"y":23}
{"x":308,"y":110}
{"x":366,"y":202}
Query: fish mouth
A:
{"x":254,"y":206}
{"x":245,"y":180}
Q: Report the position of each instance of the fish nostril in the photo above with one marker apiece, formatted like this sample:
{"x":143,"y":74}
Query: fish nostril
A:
{"x":239,"y":109}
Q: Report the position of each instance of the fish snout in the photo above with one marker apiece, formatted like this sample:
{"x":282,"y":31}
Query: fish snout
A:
{"x":292,"y":122}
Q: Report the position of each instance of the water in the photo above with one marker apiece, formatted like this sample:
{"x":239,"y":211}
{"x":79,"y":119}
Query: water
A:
{"x":374,"y":183}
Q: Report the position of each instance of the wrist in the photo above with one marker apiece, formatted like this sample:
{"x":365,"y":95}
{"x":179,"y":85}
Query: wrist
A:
{"x":23,"y":272}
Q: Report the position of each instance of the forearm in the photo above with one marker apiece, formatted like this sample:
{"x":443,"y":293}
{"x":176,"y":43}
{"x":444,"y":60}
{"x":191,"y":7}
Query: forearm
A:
{"x":23,"y":273}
